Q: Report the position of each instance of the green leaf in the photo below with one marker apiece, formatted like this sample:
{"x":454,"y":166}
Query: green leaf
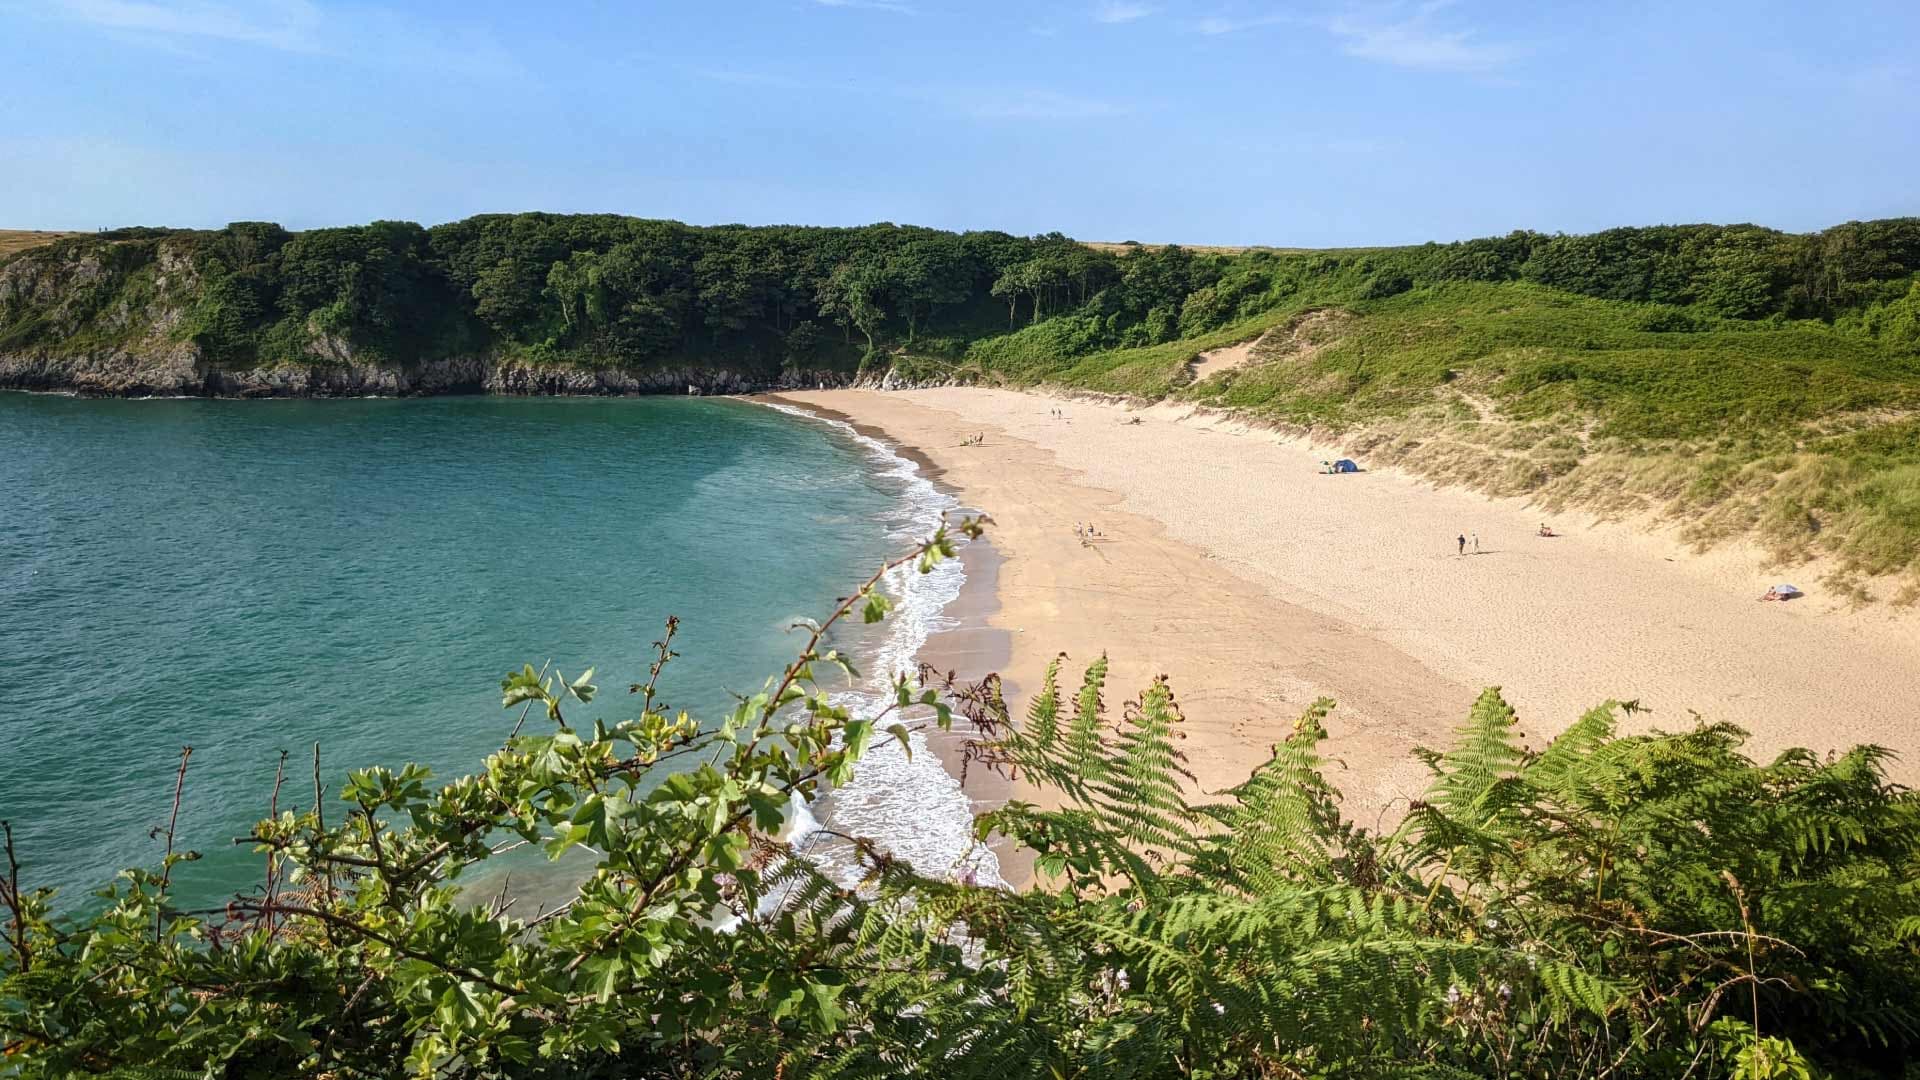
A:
{"x":603,"y":976}
{"x":582,"y":687}
{"x":856,"y":736}
{"x":824,"y":1013}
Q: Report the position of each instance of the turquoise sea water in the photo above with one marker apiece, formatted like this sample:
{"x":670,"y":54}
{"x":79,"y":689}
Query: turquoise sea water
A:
{"x":248,"y":577}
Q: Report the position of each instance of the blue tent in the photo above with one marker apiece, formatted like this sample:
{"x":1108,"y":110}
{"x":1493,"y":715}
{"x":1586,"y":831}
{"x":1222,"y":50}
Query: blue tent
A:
{"x":1345,"y":465}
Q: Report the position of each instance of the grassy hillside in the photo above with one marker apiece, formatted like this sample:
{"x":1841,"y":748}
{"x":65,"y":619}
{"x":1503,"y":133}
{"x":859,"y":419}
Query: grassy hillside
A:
{"x":13,"y":241}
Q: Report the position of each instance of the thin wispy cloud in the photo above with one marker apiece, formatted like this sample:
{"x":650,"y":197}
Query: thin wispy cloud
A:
{"x":871,"y":5}
{"x":292,"y":25}
{"x":1121,"y":11}
{"x":1400,"y":34}
{"x":1416,"y":39}
{"x":977,"y":102}
{"x":1215,"y":25}
{"x":366,"y":35}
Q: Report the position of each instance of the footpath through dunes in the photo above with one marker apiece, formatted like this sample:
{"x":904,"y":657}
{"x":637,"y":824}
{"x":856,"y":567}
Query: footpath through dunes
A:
{"x":1296,"y":341}
{"x":1226,"y":358}
{"x":1226,"y":561}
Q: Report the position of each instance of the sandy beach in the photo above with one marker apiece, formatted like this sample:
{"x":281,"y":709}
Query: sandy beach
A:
{"x":1228,"y":563}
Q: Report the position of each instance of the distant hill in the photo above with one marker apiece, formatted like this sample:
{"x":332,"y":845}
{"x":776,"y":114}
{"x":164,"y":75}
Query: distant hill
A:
{"x":1741,"y":381}
{"x":1111,"y":248}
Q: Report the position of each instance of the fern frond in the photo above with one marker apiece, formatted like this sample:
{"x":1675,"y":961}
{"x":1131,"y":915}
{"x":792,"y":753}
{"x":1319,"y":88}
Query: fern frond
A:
{"x":1557,"y":766}
{"x":1483,"y":753}
{"x":1283,"y":824}
{"x":1085,"y":755}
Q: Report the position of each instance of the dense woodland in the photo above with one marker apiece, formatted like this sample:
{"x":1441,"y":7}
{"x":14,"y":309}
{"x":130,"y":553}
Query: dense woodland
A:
{"x":605,"y":289}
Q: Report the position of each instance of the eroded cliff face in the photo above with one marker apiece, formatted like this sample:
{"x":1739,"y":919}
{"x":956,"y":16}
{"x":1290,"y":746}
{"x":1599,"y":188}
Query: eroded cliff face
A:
{"x":176,"y":372}
{"x":115,"y":318}
{"x":120,"y":306}
{"x":120,"y":373}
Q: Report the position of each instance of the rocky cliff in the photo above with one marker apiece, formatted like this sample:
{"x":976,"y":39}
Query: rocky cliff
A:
{"x":177,"y":372}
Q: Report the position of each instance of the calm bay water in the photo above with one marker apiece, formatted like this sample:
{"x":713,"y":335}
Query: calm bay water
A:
{"x":248,"y":577}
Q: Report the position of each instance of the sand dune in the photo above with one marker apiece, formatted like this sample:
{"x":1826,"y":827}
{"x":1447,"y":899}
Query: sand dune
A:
{"x":1226,"y":358}
{"x":1228,"y":563}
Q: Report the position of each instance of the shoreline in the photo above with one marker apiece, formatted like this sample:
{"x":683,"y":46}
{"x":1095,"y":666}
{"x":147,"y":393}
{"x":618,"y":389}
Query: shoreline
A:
{"x":1227,"y":564}
{"x":918,"y":801}
{"x":967,"y":647}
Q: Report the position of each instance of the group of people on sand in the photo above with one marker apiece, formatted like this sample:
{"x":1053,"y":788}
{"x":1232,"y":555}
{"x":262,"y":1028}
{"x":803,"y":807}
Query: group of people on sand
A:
{"x":1465,"y":539}
{"x":1086,"y":534}
{"x":1778,"y":593}
{"x":978,"y":438}
{"x":1057,"y":414}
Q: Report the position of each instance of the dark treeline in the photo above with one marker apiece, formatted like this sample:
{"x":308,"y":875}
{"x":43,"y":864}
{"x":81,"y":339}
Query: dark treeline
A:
{"x":1736,"y":271}
{"x":607,"y":289}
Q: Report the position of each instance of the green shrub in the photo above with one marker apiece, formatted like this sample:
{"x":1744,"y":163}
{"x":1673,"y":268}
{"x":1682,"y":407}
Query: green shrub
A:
{"x":1382,"y":285}
{"x":1666,"y":319}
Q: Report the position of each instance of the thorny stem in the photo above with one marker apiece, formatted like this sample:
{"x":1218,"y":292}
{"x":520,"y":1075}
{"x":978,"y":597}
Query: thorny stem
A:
{"x":273,"y":854}
{"x":11,"y":896}
{"x":663,"y":652}
{"x":1746,"y":921}
{"x":173,"y":819}
{"x":320,"y":824}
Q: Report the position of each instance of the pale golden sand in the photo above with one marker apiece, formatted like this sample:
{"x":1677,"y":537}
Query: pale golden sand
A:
{"x":1229,"y":564}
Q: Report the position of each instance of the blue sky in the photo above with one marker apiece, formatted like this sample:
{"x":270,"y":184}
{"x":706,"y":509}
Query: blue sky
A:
{"x":1316,"y":122}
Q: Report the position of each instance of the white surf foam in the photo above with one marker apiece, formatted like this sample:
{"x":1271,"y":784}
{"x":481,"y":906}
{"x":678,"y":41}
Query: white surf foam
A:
{"x":909,"y":804}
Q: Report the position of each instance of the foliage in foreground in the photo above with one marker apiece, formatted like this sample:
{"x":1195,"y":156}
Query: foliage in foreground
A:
{"x":1608,"y":905}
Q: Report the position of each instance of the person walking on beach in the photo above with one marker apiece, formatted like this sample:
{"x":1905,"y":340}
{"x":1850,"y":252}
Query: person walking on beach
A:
{"x":1463,"y":543}
{"x":1476,"y":543}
